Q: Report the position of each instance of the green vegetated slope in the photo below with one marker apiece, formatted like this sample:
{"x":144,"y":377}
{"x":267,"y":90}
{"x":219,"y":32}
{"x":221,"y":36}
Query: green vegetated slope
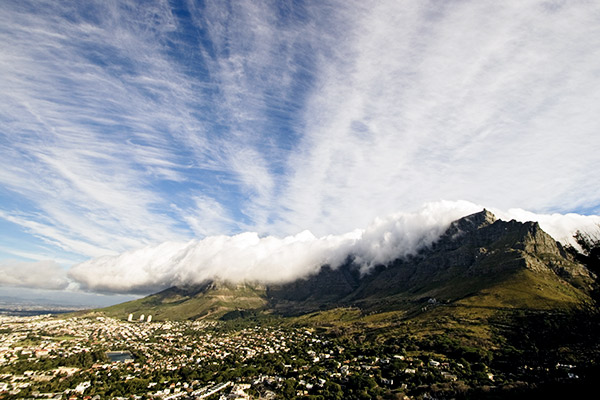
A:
{"x":471,"y":319}
{"x":468,"y":287}
{"x":209,"y":300}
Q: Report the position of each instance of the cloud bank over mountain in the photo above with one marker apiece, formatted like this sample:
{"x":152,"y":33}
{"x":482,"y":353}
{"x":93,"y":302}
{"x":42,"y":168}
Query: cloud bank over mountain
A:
{"x":124,"y":124}
{"x":248,"y":257}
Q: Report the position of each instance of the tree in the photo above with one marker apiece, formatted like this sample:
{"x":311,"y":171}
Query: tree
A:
{"x":289,"y":388}
{"x":589,"y":255}
{"x":333,"y":390}
{"x":590,"y":249}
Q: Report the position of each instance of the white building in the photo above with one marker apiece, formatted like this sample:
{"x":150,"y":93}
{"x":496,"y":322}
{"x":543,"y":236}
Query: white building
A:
{"x":82,"y":386}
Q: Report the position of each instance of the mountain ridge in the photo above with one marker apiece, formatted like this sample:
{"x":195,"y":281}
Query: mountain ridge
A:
{"x":476,"y":255}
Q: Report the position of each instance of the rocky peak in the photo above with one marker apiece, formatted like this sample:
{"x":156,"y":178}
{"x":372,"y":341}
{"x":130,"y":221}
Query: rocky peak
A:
{"x":465,"y":226}
{"x":537,"y":241}
{"x":476,"y":221}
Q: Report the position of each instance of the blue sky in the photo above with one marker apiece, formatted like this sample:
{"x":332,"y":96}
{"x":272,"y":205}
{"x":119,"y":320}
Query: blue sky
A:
{"x":128,"y":124}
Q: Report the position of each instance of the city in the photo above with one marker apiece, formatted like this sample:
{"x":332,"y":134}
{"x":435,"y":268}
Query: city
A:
{"x":101,"y":357}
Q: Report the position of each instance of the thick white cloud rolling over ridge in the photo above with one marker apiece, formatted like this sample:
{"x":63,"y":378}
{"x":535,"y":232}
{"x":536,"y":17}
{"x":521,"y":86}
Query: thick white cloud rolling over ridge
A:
{"x":248,"y":257}
{"x":178,"y":127}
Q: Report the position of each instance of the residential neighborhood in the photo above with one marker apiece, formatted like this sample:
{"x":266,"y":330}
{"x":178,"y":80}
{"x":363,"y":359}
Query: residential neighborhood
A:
{"x":92,"y":358}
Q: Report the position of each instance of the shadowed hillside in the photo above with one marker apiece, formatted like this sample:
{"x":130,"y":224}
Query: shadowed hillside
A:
{"x":479,"y":260}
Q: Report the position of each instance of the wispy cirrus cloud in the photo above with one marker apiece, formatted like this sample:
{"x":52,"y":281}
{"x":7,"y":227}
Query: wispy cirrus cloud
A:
{"x":116,"y":113}
{"x":89,"y":104}
{"x":129,"y":124}
{"x":479,"y":100}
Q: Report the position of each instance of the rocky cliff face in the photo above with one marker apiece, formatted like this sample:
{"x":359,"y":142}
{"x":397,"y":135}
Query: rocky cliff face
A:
{"x":475,"y":252}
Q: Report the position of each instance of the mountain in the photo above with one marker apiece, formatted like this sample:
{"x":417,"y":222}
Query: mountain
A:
{"x":479,"y":261}
{"x":478,"y":256}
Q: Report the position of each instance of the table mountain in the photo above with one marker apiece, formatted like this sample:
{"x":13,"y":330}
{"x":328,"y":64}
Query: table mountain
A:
{"x":478,"y":260}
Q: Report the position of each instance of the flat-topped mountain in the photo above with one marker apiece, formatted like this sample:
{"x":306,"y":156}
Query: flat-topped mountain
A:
{"x":476,"y":254}
{"x":478,"y":260}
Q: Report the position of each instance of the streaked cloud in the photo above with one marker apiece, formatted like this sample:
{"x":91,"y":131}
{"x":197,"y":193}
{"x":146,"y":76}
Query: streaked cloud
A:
{"x":485,"y":101}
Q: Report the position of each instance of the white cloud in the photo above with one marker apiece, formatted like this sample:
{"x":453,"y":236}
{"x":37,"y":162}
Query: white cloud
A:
{"x":488,"y":101}
{"x":39,"y":274}
{"x":248,"y":257}
{"x":233,"y":258}
{"x":206,"y":216}
{"x":95,"y":114}
{"x":107,"y":105}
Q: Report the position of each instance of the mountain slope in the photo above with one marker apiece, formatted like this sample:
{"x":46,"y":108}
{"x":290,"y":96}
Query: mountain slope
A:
{"x":211,"y":299}
{"x":475,"y":254}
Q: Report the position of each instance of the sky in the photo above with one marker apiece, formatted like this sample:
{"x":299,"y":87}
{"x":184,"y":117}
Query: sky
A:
{"x":148,"y":143}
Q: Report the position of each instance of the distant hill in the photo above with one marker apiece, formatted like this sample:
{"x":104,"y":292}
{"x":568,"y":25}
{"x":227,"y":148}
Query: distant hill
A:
{"x":211,"y":299}
{"x":479,"y":261}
